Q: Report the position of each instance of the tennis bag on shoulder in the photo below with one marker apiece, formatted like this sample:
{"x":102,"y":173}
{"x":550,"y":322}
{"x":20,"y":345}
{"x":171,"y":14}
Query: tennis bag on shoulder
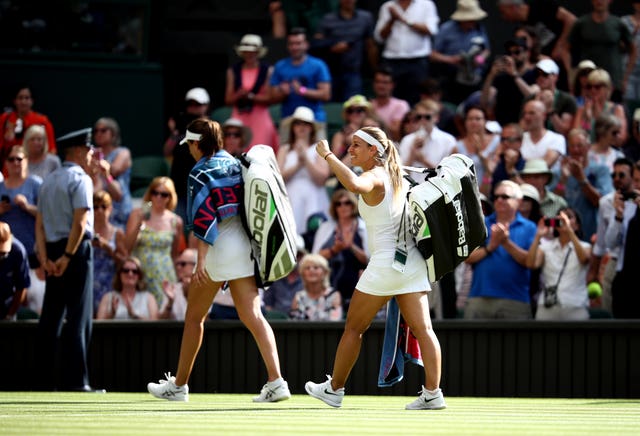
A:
{"x":267,"y":215}
{"x":445,"y":214}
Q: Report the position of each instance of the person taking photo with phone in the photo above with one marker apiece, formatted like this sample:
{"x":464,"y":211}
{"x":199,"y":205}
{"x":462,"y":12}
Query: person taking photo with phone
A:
{"x":564,"y":262}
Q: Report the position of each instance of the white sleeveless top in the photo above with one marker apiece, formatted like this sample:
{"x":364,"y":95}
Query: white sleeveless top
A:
{"x":306,"y":197}
{"x":382,"y":222}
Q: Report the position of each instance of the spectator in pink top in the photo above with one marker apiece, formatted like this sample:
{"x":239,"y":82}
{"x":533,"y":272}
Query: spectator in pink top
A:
{"x":388,"y":108}
{"x":247,"y":91}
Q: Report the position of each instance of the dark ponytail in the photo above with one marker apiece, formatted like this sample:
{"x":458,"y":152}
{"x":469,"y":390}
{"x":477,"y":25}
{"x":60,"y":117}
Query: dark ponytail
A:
{"x":211,"y":132}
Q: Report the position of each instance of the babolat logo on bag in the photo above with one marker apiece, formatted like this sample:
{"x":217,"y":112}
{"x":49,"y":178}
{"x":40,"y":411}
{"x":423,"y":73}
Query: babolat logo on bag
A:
{"x":445,"y":215}
{"x":463,"y":248}
{"x":268,"y":217}
{"x":259,"y":209}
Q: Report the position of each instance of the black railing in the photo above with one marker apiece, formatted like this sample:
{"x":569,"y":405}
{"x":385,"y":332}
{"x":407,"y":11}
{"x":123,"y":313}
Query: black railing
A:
{"x":593,"y":359}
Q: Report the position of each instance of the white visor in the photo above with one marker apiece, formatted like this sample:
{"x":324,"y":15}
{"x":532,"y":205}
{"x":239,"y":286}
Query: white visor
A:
{"x":190,"y":136}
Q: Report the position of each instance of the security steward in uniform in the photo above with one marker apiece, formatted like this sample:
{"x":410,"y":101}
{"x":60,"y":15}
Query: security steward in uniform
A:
{"x":64,"y":228}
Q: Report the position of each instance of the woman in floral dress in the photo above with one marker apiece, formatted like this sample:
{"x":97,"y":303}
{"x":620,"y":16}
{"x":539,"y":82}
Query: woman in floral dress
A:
{"x":154,"y":234}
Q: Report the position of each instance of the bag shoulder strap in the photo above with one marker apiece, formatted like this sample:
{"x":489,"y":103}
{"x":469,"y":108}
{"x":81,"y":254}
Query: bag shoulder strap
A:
{"x":564,"y":264}
{"x":430,"y":172}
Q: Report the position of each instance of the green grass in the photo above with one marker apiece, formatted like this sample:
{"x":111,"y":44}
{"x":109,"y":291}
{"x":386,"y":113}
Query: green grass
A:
{"x":40,"y":413}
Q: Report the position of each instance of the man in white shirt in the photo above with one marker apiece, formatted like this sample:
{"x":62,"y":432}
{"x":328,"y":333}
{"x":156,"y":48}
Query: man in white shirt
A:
{"x":537,"y":141}
{"x":624,"y":230}
{"x":428,"y":145}
{"x":622,"y":182}
{"x":405,"y":27}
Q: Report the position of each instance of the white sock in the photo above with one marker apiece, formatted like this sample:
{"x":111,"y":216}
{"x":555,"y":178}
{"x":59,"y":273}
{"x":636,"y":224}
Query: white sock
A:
{"x":432,"y":393}
{"x":276,"y":382}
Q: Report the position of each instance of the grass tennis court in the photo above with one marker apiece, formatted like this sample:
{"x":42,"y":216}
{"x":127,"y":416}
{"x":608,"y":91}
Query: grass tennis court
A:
{"x":40,"y":413}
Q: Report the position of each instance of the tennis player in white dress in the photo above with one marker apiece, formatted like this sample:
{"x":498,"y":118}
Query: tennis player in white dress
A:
{"x":396,"y":268}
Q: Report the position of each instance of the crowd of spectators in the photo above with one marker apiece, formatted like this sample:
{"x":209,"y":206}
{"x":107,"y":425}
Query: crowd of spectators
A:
{"x":547,"y":120}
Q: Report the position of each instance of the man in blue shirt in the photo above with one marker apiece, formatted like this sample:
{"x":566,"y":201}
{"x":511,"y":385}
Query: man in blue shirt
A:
{"x":14,"y":273}
{"x":301,"y":79}
{"x":500,"y":285}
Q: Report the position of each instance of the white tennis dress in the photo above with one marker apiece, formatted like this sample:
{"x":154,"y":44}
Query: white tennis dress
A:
{"x":230,"y":255}
{"x":382,"y":222}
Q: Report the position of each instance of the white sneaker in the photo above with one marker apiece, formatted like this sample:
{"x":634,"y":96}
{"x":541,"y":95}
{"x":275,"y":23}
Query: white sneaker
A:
{"x":427,"y":401}
{"x":277,"y":390}
{"x":324,"y":392}
{"x":167,"y":389}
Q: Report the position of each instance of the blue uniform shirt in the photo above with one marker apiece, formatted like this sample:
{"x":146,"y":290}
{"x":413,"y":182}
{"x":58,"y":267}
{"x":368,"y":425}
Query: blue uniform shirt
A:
{"x":63,"y":191}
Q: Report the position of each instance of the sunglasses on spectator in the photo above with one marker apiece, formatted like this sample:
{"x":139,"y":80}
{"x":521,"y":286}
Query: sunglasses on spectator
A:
{"x":161,"y":194}
{"x":343,"y":203}
{"x":300,"y":123}
{"x":135,"y":271}
{"x":595,"y":85}
{"x":183,"y":263}
{"x":355,"y":110}
{"x":618,"y":175}
{"x":232,"y":134}
{"x":418,"y":117}
{"x":510,"y":139}
{"x":15,"y":159}
{"x":502,"y":196}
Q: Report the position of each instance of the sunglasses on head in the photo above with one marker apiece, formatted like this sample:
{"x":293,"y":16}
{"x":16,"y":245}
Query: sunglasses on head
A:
{"x":161,"y":194}
{"x":502,"y":196}
{"x":418,"y":117}
{"x":135,"y":271}
{"x":183,"y":263}
{"x":15,"y":159}
{"x":232,"y":134}
{"x":618,"y":175}
{"x":355,"y":110}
